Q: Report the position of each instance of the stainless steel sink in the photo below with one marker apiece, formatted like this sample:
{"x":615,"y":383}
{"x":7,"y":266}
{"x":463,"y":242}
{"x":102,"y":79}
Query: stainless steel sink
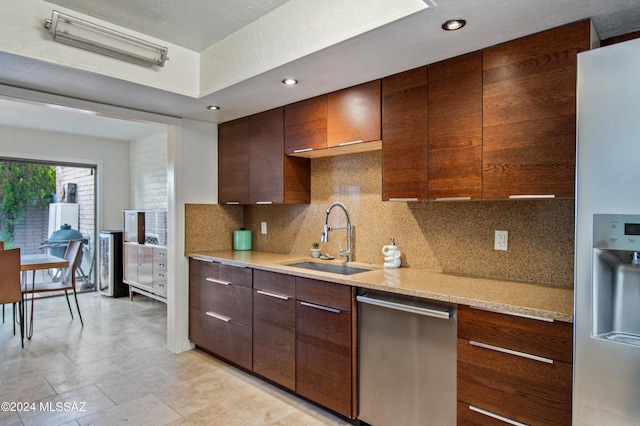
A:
{"x":328,"y":267}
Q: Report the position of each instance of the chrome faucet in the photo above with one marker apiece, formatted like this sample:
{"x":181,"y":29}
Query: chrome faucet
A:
{"x":325,"y":232}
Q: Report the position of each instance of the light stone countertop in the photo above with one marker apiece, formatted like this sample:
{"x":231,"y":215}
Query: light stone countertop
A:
{"x":521,"y":298}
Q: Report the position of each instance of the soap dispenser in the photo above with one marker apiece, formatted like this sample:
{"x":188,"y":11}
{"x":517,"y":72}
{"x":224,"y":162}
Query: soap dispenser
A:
{"x":391,"y":255}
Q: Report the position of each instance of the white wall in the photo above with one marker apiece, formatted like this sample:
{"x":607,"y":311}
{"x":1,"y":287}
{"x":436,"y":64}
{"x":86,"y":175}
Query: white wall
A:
{"x":200,"y":159}
{"x":111,"y":157}
{"x":148,"y":163}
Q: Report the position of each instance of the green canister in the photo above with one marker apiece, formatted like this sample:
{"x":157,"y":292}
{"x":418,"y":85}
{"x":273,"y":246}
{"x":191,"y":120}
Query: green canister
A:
{"x":241,"y":239}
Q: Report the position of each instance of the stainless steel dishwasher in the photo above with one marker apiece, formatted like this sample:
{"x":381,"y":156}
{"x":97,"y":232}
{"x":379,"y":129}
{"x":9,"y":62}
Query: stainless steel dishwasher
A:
{"x":407,"y":360}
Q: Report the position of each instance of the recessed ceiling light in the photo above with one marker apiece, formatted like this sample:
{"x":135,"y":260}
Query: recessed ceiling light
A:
{"x":290,"y":81}
{"x":454,"y":24}
{"x":213,"y":107}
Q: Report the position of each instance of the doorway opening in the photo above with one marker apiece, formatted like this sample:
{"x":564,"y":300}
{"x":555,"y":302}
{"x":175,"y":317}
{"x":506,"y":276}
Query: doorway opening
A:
{"x":45,"y":204}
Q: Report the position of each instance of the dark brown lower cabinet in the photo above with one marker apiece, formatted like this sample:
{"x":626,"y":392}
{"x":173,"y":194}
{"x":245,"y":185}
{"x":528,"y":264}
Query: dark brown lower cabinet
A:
{"x":513,"y":369}
{"x":325,"y":358}
{"x":274,"y":327}
{"x":220,"y":310}
{"x":223,"y":337}
{"x":296,"y":332}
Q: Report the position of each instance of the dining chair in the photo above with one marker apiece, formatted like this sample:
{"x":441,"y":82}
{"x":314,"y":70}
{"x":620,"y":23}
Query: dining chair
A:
{"x":72,"y":255}
{"x":10,"y":291}
{"x":67,"y":280}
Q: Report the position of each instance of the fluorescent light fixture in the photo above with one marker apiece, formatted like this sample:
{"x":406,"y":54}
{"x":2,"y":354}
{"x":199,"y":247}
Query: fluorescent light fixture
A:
{"x":96,"y":38}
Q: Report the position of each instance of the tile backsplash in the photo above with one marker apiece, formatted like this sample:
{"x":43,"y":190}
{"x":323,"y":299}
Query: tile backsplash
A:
{"x":454,"y":237}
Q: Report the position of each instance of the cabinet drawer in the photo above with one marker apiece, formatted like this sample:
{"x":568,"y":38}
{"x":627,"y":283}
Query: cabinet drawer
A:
{"x":160,"y":288}
{"x":203,"y":268}
{"x":160,"y":254}
{"x":227,"y":339}
{"x":276,"y":283}
{"x":324,"y":293}
{"x":227,"y":300}
{"x":552,"y":340}
{"x":159,"y":265}
{"x":159,"y":276}
{"x":526,"y":390}
{"x":235,"y":275}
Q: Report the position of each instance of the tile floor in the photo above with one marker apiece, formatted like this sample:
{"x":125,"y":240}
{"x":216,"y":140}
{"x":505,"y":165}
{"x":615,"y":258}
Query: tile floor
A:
{"x":115,"y":370}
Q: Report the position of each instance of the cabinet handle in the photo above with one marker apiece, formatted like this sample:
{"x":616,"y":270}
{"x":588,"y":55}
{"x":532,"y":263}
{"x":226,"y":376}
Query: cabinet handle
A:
{"x":532,"y":196}
{"x":452,"y":198}
{"x":495,"y":416}
{"x":324,"y":308}
{"x":295,"y":151}
{"x":515,"y":314}
{"x":419,"y":310}
{"x":277,"y":296}
{"x":203,"y":259}
{"x":213,"y":280}
{"x":235,"y":265}
{"x":403,"y":199}
{"x":217,"y":316}
{"x":511,"y":352}
{"x":350,"y":143}
{"x":264,"y":202}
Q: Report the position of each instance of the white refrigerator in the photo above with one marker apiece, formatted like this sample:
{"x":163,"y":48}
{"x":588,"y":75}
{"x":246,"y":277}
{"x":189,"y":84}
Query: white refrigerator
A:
{"x":606,"y":388}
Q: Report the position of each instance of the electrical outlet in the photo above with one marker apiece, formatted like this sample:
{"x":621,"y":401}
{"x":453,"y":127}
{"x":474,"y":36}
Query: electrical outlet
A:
{"x":263,"y":227}
{"x":501,"y":240}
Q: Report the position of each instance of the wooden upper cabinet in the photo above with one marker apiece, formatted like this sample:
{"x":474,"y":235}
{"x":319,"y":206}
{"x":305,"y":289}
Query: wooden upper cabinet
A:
{"x":454,"y":102}
{"x":266,"y":157}
{"x":353,"y":114}
{"x":305,"y":125}
{"x":404,"y":135}
{"x":252,"y":167}
{"x":529,"y":113}
{"x":233,"y":162}
{"x":282,"y":179}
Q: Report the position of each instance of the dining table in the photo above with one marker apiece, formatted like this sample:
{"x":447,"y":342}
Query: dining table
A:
{"x":35,"y":262}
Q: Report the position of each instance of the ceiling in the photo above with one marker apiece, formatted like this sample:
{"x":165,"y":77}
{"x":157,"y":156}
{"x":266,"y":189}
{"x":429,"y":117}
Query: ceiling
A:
{"x":198,"y":24}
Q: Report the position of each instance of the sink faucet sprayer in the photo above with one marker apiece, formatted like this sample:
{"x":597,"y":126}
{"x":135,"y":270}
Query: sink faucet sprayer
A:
{"x":327,"y":229}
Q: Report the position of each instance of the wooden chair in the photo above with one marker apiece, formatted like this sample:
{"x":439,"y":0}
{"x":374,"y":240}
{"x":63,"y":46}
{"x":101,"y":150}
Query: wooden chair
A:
{"x":10,"y":291}
{"x":67,"y":281}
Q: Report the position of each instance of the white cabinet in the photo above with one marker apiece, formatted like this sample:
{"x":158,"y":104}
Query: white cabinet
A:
{"x":145,"y":270}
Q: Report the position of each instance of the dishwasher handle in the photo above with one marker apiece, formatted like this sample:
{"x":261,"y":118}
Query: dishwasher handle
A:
{"x":429,"y":312}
